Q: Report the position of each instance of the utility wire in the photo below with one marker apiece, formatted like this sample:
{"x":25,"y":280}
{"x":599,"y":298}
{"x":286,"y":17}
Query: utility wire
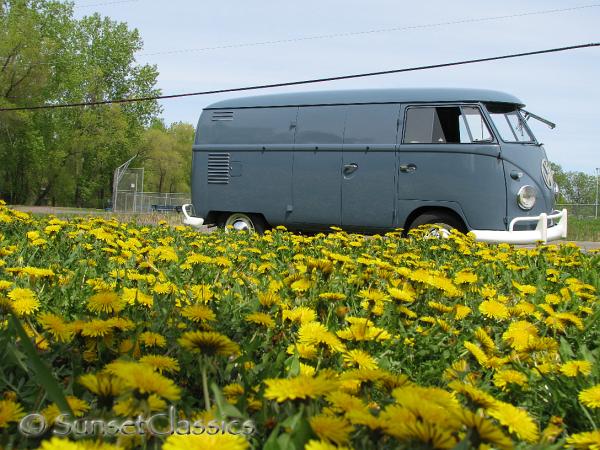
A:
{"x":310,"y":81}
{"x":381,"y":30}
{"x":343,"y":34}
{"x":91,"y":5}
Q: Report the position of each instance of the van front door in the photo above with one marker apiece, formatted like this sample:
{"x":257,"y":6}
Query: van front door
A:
{"x":369,"y":166}
{"x":316,"y":190}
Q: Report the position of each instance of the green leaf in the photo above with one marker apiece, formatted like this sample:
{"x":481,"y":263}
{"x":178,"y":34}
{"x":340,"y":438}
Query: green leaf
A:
{"x":224,"y":409}
{"x":43,"y":375}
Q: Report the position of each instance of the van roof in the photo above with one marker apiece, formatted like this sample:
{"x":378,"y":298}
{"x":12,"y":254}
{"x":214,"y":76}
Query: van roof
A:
{"x":358,"y":96}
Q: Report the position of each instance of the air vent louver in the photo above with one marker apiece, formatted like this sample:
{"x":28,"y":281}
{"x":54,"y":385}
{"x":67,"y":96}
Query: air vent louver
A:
{"x":218,"y":168}
{"x":222,"y":116}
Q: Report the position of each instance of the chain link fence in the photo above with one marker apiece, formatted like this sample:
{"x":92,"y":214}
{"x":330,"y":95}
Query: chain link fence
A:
{"x":581,"y":210}
{"x":129,"y":195}
{"x":147,"y":202}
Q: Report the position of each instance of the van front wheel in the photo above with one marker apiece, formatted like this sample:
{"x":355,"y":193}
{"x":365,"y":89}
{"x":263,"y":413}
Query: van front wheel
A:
{"x":243,"y":222}
{"x":445,"y":221}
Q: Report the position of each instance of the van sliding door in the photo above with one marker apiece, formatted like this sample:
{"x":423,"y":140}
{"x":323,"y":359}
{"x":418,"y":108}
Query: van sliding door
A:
{"x":316,"y":191}
{"x":369,"y":166}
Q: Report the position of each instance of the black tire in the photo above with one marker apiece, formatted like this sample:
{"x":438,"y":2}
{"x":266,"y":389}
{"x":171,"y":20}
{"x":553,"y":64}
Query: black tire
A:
{"x":243,"y":221}
{"x":444,"y":219}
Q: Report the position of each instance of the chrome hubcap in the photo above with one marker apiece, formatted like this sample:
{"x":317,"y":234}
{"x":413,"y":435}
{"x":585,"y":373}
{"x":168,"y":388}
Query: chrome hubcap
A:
{"x":439,"y":233}
{"x":240,"y":222}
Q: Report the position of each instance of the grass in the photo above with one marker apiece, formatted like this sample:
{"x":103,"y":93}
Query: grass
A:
{"x":583,"y":229}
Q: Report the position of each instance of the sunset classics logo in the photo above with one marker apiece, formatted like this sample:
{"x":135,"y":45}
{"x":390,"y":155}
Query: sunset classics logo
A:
{"x":160,"y":424}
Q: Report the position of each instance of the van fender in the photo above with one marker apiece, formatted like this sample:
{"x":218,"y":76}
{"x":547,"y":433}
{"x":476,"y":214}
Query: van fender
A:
{"x":418,"y":207}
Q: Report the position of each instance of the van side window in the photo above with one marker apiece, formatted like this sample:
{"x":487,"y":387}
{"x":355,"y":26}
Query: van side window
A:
{"x":445,"y":125}
{"x":371,"y":124}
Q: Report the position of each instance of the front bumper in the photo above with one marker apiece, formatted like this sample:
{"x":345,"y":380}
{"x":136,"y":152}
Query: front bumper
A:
{"x":191,"y":220}
{"x":542,"y":231}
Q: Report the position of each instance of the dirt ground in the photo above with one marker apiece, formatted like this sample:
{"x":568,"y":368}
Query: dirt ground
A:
{"x":175,"y":219}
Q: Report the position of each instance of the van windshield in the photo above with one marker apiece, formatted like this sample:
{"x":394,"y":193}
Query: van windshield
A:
{"x":510,"y":123}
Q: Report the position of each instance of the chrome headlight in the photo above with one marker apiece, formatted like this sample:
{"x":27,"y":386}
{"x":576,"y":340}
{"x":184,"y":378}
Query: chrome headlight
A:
{"x":526,"y":197}
{"x":556,"y":191}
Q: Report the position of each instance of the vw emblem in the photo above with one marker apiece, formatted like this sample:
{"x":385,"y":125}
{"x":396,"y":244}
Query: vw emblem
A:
{"x":547,"y":173}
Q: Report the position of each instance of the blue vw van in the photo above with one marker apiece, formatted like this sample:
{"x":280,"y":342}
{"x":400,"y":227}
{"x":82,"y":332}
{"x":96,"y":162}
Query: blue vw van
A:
{"x":375,"y":160}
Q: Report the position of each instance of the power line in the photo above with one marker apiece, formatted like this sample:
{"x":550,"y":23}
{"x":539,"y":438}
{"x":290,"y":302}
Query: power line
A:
{"x":381,"y":30}
{"x":343,"y":34}
{"x":91,"y":5}
{"x":310,"y":81}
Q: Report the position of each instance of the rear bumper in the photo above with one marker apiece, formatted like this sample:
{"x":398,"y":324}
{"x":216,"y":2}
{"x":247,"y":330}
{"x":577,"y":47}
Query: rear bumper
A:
{"x":188,"y":219}
{"x":542,"y":231}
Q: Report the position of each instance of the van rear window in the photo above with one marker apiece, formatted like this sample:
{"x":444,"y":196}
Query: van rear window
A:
{"x":445,"y":125}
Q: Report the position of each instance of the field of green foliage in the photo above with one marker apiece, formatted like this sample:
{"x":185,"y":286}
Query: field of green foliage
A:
{"x":313,"y":342}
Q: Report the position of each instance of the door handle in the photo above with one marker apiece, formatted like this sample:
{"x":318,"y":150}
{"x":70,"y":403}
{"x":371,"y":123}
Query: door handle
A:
{"x":408,"y":167}
{"x":350,"y":168}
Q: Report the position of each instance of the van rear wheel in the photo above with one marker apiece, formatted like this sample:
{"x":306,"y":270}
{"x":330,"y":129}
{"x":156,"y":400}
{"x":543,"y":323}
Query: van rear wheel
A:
{"x":445,"y":221}
{"x":243,"y":222}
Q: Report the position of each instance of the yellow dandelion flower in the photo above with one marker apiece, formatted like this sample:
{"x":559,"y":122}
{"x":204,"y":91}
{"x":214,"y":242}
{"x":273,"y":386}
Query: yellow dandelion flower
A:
{"x":97,"y":328}
{"x":504,"y":378}
{"x":161,"y":363}
{"x":516,"y":420}
{"x":143,"y":379}
{"x":588,"y":440}
{"x":487,"y":432}
{"x":524,"y":289}
{"x":476,"y":395}
{"x":10,"y":411}
{"x":576,"y":367}
{"x":24,"y":301}
{"x":465,"y":277}
{"x":323,"y":445}
{"x":233,"y":391}
{"x":461,"y":311}
{"x":205,"y":442}
{"x":202,"y":292}
{"x":151,"y":339}
{"x":268,"y":299}
{"x":56,"y":326}
{"x":477,"y":352}
{"x":314,"y":333}
{"x":306,"y":351}
{"x":300,"y":387}
{"x":301,"y":314}
{"x":337,"y":296}
{"x":198,"y":313}
{"x":64,"y":444}
{"x":485,"y":339}
{"x":105,"y":302}
{"x":133,"y":296}
{"x":519,"y":334}
{"x":494,"y":309}
{"x":331,"y":429}
{"x":301,"y":285}
{"x":260,"y":319}
{"x":590,"y":397}
{"x":360,"y":358}
{"x":78,"y":406}
{"x":208,"y":343}
{"x":102,"y":384}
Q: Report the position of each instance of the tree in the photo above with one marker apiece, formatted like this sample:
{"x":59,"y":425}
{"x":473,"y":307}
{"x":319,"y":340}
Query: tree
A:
{"x":68,"y":155}
{"x":166,"y":153}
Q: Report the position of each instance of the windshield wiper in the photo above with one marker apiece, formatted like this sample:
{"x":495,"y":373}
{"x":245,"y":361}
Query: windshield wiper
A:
{"x":527,"y":115}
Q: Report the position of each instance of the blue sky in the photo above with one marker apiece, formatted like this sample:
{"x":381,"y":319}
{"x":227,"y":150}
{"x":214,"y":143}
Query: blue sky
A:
{"x":562,"y":87}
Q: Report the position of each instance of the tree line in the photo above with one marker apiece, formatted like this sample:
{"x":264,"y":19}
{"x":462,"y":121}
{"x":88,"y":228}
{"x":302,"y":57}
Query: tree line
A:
{"x":67,"y":156}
